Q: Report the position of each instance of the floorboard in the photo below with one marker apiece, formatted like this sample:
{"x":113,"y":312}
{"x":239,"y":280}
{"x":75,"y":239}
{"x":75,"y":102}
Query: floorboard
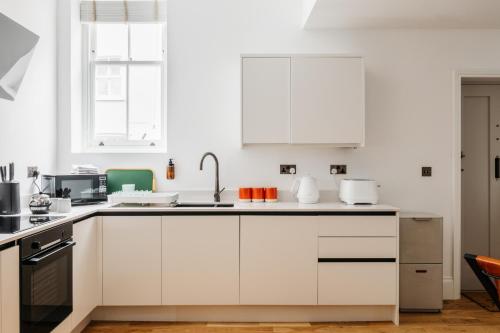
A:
{"x":457,"y":316}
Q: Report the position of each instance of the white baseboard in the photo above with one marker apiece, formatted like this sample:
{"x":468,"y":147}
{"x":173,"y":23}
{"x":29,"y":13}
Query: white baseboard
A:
{"x":448,"y":289}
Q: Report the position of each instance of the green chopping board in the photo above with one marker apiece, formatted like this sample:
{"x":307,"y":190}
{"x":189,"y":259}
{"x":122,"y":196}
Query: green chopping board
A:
{"x":143,"y":179}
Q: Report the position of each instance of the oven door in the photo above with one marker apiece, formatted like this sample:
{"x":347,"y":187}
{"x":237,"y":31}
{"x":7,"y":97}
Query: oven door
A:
{"x":47,"y":288}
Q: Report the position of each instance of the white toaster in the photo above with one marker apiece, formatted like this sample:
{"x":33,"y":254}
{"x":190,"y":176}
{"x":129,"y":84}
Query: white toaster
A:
{"x":358,"y":191}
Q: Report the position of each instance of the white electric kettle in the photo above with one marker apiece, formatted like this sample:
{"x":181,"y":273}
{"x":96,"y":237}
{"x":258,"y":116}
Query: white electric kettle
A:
{"x":306,"y":190}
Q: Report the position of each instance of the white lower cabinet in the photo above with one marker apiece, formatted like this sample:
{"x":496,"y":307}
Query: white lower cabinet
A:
{"x":357,"y":283}
{"x":85,"y":269}
{"x":278,"y":260}
{"x":9,"y":290}
{"x":200,"y":260}
{"x":131,"y":257}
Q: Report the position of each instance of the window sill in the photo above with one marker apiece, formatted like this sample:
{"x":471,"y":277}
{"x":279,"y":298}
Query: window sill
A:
{"x":125,"y":150}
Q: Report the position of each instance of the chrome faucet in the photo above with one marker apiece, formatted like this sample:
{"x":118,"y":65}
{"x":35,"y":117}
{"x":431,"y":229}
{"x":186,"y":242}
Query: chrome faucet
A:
{"x":217,"y":192}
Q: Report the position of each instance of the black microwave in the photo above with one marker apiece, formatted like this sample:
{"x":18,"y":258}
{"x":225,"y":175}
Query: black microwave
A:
{"x":82,"y":189}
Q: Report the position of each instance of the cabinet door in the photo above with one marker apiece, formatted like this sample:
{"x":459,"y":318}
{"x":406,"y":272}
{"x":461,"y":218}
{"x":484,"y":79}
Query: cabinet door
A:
{"x":357,"y":283}
{"x":131,"y":260}
{"x":278,"y":260}
{"x":201,"y":260}
{"x":266,"y":100}
{"x":9,"y":293}
{"x":327,"y":100}
{"x":85,"y":271}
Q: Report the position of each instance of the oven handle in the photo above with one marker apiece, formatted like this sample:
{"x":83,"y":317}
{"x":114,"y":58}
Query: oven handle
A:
{"x":35,"y":260}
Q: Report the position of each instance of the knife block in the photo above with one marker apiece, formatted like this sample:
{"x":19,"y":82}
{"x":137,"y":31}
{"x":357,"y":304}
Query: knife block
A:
{"x":9,"y":198}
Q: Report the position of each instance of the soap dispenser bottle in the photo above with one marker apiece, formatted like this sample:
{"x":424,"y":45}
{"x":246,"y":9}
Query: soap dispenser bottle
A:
{"x":170,"y":169}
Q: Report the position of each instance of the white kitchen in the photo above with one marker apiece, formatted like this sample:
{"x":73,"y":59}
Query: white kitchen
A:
{"x":249,"y":166}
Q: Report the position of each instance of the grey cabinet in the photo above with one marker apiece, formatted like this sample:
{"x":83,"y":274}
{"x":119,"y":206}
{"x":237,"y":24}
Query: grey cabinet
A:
{"x":421,"y":262}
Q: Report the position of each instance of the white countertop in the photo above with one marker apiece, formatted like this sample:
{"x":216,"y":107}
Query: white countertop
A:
{"x":291,"y":207}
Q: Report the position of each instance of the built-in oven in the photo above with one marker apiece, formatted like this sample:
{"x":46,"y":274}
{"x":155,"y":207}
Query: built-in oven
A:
{"x":82,"y":189}
{"x":46,"y":279}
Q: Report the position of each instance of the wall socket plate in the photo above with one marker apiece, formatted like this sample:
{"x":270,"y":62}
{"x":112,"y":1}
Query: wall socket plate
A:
{"x":33,"y":172}
{"x":427,"y":171}
{"x":338,"y":169}
{"x":288,"y":169}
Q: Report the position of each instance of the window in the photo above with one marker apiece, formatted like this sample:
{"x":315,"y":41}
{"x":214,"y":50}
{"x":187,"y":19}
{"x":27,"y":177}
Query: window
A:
{"x":124,"y":87}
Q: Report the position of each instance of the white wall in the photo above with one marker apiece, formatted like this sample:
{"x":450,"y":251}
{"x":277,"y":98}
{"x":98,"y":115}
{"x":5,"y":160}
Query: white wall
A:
{"x":28,"y":124}
{"x":409,"y":103}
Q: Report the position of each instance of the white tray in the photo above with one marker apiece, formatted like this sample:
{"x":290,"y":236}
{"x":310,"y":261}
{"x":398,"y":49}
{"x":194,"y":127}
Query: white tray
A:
{"x":143,"y":197}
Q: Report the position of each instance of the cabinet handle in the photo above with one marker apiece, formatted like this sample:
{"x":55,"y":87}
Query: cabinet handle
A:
{"x":417,"y":219}
{"x":356,"y":259}
{"x":421,"y":271}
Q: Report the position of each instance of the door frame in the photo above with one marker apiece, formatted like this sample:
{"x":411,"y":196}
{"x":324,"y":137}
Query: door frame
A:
{"x":456,"y":215}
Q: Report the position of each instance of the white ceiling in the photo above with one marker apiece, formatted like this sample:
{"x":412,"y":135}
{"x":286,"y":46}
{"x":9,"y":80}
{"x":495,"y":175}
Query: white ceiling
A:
{"x":386,"y":14}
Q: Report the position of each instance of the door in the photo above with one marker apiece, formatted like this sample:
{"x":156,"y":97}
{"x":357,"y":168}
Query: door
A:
{"x":201,"y":260}
{"x":85,"y":270}
{"x":327,"y":100}
{"x":480,"y":188}
{"x":278,"y":260}
{"x":266,"y":100}
{"x":131,"y":260}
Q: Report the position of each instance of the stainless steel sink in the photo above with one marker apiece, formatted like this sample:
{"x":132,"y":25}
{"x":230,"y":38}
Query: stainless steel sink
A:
{"x":175,"y":205}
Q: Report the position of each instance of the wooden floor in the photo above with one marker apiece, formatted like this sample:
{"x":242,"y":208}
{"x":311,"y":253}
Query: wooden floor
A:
{"x":457,"y":316}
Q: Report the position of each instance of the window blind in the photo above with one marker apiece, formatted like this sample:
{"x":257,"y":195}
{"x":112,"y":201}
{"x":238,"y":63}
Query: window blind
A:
{"x":123,"y":11}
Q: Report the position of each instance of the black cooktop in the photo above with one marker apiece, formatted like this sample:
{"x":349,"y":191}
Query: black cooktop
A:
{"x":14,"y":224}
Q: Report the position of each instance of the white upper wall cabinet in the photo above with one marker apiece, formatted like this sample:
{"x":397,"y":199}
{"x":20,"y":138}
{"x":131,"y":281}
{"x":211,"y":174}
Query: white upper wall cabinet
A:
{"x":327,"y":100}
{"x":303,"y":99}
{"x":266,"y":100}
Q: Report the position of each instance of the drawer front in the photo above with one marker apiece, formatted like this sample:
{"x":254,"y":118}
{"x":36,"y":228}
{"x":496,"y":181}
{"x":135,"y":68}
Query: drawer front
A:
{"x":421,"y":241}
{"x":357,"y":247}
{"x":358,"y":225}
{"x":421,"y":286}
{"x":354,"y":283}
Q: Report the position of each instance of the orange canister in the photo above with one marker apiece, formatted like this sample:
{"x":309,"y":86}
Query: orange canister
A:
{"x":258,"y":194}
{"x":271,"y":194}
{"x":245,"y":194}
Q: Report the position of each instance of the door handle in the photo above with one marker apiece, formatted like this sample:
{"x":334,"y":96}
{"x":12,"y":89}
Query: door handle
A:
{"x":497,"y":167}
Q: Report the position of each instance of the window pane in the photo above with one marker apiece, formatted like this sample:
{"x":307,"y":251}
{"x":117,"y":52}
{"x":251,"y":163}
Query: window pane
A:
{"x":111,"y":42}
{"x":110,"y":108}
{"x":145,"y":102}
{"x":110,"y":118}
{"x":146,"y":41}
{"x":110,"y":82}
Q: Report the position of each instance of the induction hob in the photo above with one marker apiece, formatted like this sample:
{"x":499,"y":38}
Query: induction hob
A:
{"x":15,"y":224}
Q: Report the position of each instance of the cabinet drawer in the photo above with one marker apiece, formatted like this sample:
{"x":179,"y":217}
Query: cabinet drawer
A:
{"x":358,"y":225}
{"x":421,"y":240}
{"x":421,"y":286}
{"x":355,"y":283}
{"x":357,"y":247}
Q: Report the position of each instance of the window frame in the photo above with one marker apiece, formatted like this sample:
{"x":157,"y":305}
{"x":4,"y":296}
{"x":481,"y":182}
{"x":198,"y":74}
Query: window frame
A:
{"x":110,"y":144}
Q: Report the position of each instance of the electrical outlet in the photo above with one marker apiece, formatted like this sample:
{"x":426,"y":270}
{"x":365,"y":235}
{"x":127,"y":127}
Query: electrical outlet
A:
{"x":288,"y":169}
{"x":33,"y":172}
{"x":426,"y":171}
{"x":338,"y":169}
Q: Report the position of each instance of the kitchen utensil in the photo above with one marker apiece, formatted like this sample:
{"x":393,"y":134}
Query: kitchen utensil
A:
{"x":11,"y":171}
{"x":358,"y":191}
{"x":306,"y":190}
{"x":245,"y":194}
{"x":258,"y":194}
{"x":271,"y":194}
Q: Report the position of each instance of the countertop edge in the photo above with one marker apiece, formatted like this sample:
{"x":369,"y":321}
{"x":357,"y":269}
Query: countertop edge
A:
{"x":82,"y":213}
